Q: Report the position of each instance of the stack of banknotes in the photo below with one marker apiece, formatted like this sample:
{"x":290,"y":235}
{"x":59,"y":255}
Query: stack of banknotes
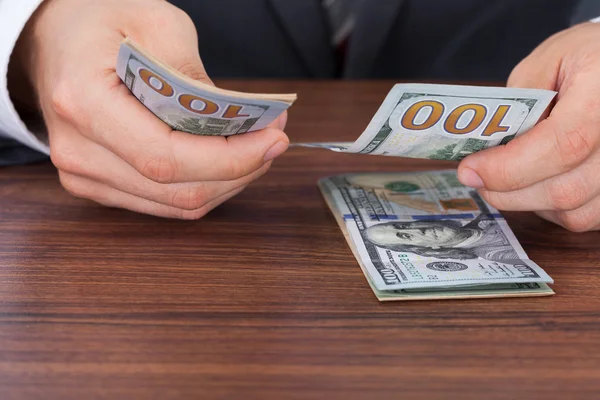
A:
{"x":192,"y":106}
{"x":415,"y":235}
{"x":423,"y":235}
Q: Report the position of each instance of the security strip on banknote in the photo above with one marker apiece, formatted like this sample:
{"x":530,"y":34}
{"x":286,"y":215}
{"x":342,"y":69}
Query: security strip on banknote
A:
{"x":446,"y":122}
{"x":424,"y":235}
{"x":191,"y":106}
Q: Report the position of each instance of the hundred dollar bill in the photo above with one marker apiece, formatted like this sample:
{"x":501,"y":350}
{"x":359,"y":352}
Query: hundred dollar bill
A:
{"x":424,"y":235}
{"x":191,"y":106}
{"x":446,"y":122}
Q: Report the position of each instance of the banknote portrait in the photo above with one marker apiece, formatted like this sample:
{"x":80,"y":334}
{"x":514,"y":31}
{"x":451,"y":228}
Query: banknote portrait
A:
{"x":479,"y":238}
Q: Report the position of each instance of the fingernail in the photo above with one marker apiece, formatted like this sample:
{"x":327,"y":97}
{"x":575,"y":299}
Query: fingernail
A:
{"x":276,"y":150}
{"x":468,"y":177}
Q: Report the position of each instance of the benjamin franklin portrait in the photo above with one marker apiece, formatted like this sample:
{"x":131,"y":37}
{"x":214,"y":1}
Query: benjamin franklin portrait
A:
{"x":480,"y":238}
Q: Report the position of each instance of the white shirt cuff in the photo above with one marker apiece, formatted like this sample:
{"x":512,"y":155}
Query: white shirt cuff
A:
{"x":14,"y":14}
{"x":597,"y":19}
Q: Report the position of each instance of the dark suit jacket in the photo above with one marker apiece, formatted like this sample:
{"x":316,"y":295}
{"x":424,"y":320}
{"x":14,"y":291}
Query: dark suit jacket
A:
{"x":403,"y":39}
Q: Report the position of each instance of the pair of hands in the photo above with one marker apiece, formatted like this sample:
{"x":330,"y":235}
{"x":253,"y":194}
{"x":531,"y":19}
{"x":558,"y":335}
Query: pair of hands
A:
{"x":109,"y":148}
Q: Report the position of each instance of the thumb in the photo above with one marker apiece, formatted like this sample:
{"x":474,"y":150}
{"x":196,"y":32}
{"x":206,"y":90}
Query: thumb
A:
{"x":533,"y":72}
{"x":502,"y":168}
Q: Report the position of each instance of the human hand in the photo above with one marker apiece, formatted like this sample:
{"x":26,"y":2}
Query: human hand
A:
{"x":106,"y":145}
{"x":553,"y":169}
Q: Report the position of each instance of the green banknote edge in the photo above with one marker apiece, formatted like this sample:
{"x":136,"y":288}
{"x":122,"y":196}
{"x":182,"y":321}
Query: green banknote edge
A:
{"x":466,"y":292}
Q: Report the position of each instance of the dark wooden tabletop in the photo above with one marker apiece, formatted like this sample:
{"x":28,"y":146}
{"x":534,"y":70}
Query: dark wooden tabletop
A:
{"x":262,"y":298}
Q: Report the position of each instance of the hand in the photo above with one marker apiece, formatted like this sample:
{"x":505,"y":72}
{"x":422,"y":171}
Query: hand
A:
{"x":106,"y":145}
{"x":554,"y":169}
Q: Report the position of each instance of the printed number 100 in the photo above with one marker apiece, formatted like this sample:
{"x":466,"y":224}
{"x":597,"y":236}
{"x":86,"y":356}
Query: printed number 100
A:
{"x":436,"y":110}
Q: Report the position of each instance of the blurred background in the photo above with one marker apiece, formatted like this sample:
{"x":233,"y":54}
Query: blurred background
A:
{"x":465,"y":40}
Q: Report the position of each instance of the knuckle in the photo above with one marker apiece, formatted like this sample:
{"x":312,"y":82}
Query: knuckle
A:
{"x":193,"y":215}
{"x":189,"y":198}
{"x":166,"y":16}
{"x":573,"y":146}
{"x":72,"y":185}
{"x":184,"y":21}
{"x":63,"y":101}
{"x":63,"y":158}
{"x":577,"y":221}
{"x":159,"y":168}
{"x":161,"y":15}
{"x":207,"y":207}
{"x":179,"y":15}
{"x":567,"y":194}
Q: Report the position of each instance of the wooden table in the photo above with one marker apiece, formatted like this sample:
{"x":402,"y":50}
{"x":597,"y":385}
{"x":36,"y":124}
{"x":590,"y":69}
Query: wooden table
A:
{"x":263,"y":299}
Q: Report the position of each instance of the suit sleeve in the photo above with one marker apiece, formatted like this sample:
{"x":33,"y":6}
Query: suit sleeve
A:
{"x":18,"y":144}
{"x":586,"y":10}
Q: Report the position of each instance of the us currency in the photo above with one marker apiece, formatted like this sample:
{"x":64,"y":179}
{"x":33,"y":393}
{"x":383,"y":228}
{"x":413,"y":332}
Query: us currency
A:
{"x":191,"y":106}
{"x":425,"y":236}
{"x":446,"y":122}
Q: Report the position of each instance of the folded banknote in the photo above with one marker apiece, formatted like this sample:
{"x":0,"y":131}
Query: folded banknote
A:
{"x":445,"y":122}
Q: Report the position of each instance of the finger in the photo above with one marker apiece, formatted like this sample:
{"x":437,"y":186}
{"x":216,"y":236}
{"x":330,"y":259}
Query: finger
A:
{"x":558,"y":144}
{"x":77,"y":155}
{"x":583,"y":219}
{"x":123,"y":125}
{"x":564,"y":192}
{"x":175,"y":42}
{"x":107,"y":196}
{"x":533,"y":72}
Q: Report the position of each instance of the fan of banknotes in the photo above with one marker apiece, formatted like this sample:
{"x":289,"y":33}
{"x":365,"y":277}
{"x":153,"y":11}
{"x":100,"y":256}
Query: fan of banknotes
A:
{"x":191,"y":106}
{"x":415,"y":235}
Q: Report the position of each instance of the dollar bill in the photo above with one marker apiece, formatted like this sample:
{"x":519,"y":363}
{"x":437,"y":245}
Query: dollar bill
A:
{"x":192,"y":106}
{"x":424,"y":235}
{"x":446,"y":122}
{"x":480,"y":291}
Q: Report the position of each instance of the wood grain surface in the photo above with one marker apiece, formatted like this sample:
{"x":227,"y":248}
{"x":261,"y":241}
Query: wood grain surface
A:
{"x":263,"y":299}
